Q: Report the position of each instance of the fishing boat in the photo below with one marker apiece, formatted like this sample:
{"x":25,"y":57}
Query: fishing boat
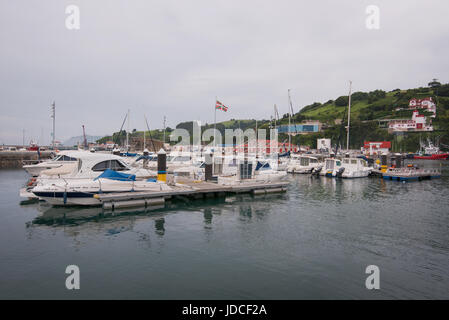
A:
{"x":303,"y":164}
{"x":438,"y":156}
{"x":355,"y":168}
{"x":348,"y":167}
{"x":430,"y":152}
{"x":332,"y":168}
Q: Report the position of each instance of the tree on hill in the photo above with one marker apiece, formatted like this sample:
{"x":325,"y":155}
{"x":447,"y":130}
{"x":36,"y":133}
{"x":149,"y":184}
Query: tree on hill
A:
{"x":342,"y":101}
{"x":443,"y":91}
{"x":359,"y":96}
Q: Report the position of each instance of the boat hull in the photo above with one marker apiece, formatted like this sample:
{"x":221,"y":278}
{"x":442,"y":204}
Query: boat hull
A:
{"x":441,"y":156}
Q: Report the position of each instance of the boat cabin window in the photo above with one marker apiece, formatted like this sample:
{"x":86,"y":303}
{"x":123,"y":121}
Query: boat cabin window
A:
{"x":65,"y":158}
{"x":304,"y":161}
{"x":346,"y":161}
{"x":353,"y":161}
{"x":109,"y":164}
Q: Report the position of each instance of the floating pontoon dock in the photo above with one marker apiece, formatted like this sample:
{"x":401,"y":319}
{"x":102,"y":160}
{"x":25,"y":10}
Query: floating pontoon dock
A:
{"x":183,"y":189}
{"x":410,"y":174}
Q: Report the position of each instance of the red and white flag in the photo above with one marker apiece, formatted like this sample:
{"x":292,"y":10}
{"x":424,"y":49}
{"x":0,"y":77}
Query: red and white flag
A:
{"x":221,"y":106}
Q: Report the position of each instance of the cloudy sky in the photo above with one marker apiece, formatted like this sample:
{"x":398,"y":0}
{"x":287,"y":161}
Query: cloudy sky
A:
{"x":174,"y":57}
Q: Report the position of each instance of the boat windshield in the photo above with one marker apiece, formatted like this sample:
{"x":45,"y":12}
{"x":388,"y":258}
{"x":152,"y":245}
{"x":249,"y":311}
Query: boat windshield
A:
{"x":109,"y":164}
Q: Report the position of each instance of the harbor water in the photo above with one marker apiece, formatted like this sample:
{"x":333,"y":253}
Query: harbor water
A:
{"x":312,"y":242}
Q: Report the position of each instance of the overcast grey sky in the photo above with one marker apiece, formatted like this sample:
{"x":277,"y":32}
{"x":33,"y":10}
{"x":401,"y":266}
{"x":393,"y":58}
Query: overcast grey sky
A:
{"x":173,"y":57}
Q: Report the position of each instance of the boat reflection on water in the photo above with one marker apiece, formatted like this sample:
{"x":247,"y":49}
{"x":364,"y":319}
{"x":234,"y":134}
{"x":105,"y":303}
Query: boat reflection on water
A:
{"x":53,"y":216}
{"x":77,"y":220}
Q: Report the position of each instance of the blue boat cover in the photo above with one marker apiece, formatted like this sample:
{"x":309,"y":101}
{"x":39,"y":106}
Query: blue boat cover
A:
{"x":128,"y":154}
{"x":286,"y":154}
{"x":262,"y":166}
{"x":114,"y":175}
{"x":147,"y":157}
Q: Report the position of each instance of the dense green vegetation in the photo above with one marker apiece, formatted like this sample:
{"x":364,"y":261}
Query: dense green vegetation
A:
{"x":120,"y":137}
{"x":369,"y":107}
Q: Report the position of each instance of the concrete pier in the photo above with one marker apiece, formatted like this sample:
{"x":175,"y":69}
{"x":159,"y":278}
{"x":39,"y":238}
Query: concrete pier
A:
{"x":16,"y":159}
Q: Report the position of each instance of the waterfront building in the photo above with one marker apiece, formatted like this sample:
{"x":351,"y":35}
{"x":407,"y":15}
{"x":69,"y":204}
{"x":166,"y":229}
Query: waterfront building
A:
{"x":376,"y":147}
{"x":306,"y":127}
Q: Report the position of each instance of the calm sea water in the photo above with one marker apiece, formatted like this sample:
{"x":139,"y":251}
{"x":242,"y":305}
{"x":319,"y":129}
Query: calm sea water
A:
{"x":313,"y":242}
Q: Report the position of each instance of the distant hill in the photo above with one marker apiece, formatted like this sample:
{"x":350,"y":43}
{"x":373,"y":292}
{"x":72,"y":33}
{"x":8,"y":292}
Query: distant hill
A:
{"x":79,"y":139}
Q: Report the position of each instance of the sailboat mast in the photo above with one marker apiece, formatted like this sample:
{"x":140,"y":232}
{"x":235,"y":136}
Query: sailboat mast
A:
{"x":144,"y":138}
{"x":275,"y":115}
{"x":257,"y":143}
{"x":127,"y":135}
{"x":290,"y":113}
{"x":164,"y":128}
{"x":349,"y":115}
{"x":53,"y":108}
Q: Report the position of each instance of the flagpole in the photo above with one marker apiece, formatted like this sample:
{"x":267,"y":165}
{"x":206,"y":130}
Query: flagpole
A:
{"x":215,"y":119}
{"x":289,"y":124}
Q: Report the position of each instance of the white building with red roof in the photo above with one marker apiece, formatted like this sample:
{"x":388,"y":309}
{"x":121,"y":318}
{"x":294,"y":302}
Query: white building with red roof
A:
{"x":418,"y":122}
{"x":376,"y":147}
{"x":426,"y":104}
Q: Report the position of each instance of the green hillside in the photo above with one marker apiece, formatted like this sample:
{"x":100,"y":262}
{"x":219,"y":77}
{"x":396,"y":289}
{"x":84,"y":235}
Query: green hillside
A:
{"x":366,"y":109}
{"x":369,"y":107}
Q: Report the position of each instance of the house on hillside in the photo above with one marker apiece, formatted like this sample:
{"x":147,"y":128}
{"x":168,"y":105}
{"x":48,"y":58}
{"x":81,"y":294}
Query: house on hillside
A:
{"x":426,"y":104}
{"x":418,"y":122}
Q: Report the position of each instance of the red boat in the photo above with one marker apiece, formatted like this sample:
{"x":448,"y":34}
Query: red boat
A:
{"x":436,"y":156}
{"x":33,"y":147}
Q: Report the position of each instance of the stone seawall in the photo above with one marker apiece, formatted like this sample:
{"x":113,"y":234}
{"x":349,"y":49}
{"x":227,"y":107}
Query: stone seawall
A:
{"x":16,"y":159}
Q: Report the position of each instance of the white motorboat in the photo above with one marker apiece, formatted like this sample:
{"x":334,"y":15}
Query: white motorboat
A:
{"x":303,"y":164}
{"x":355,"y":168}
{"x":84,"y":191}
{"x":90,"y":165}
{"x":346,"y":168}
{"x":62,"y":158}
{"x":253,"y":171}
{"x":175,"y":160}
{"x":332,"y":167}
